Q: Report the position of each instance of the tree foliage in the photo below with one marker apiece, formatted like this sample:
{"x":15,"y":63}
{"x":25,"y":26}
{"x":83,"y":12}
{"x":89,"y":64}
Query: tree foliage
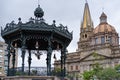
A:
{"x":87,"y":75}
{"x":56,"y":72}
{"x":102,"y":74}
{"x":105,"y":74}
{"x":108,"y":74}
{"x":117,"y":67}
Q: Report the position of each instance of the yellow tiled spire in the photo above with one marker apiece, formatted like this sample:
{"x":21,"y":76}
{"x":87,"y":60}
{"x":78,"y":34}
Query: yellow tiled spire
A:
{"x":87,"y":21}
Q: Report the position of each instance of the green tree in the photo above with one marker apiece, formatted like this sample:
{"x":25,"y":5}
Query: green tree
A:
{"x":87,"y":75}
{"x":97,"y":68}
{"x":56,"y":72}
{"x":117,"y":67}
{"x":108,"y":74}
{"x":100,"y":73}
{"x":18,"y":73}
{"x":34,"y":72}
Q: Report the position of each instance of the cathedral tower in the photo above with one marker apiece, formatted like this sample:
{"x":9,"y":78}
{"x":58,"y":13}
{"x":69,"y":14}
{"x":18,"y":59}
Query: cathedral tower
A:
{"x":86,"y":29}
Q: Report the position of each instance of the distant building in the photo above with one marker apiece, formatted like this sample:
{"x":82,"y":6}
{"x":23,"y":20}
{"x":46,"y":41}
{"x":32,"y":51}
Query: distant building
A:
{"x":102,"y":41}
{"x":4,"y":59}
{"x":40,"y":71}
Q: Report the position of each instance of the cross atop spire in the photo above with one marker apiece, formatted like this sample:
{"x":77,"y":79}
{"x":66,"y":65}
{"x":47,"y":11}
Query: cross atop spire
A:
{"x":103,"y":9}
{"x":86,"y":1}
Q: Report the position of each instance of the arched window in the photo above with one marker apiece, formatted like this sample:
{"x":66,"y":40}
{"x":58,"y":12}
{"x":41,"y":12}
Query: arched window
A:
{"x":117,"y":40}
{"x":102,"y":40}
{"x":76,"y":67}
{"x":85,"y":35}
{"x":110,"y":39}
{"x":71,"y":68}
{"x":96,"y":40}
{"x":82,"y":36}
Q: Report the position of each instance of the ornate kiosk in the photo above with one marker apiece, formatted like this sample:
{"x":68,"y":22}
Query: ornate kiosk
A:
{"x":36,"y":35}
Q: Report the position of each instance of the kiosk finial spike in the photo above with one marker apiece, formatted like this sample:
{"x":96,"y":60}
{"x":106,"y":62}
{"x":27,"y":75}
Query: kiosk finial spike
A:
{"x":38,"y":2}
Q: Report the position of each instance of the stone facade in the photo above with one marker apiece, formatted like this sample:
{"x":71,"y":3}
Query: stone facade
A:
{"x":4,"y":59}
{"x":102,"y":40}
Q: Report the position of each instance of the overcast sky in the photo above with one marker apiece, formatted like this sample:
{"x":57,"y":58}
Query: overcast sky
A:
{"x":66,"y":12}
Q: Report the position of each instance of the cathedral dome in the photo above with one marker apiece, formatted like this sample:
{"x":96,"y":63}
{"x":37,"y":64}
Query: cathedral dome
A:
{"x":104,"y":26}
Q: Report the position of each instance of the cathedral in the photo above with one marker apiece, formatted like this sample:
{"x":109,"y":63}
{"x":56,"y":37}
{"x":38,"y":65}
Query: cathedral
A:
{"x":102,"y":40}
